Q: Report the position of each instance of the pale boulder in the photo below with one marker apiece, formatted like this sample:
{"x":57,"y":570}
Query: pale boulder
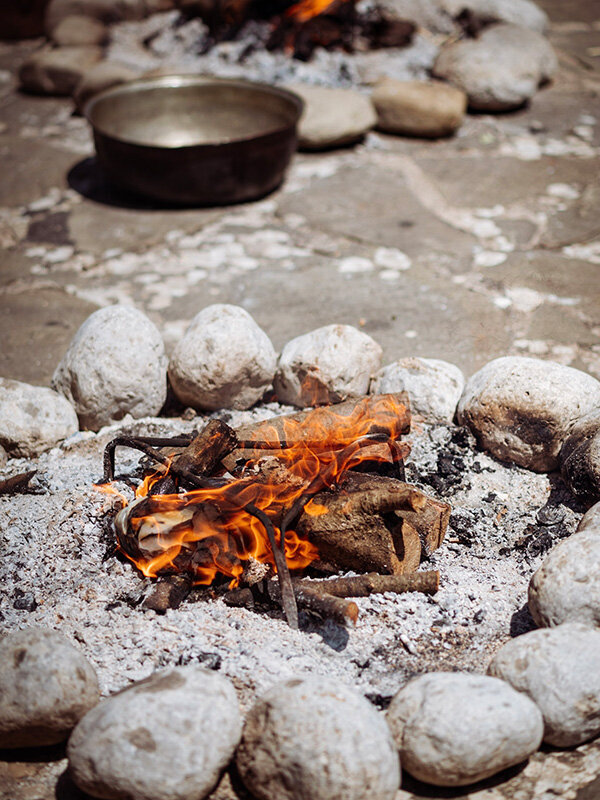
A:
{"x":522,"y":409}
{"x":325,"y":366}
{"x":115,"y":365}
{"x":58,"y":71}
{"x":418,"y":108}
{"x":78,"y":30}
{"x":223,"y":361}
{"x":33,"y":418}
{"x":332,"y":117}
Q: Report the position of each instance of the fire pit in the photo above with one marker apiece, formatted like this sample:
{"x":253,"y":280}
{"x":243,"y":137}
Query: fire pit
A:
{"x":193,"y":140}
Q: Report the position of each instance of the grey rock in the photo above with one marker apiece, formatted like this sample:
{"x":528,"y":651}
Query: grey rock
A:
{"x":99,"y":77}
{"x":332,"y":117}
{"x":591,"y":519}
{"x":434,"y":387}
{"x":501,"y":69}
{"x":418,"y":108}
{"x":580,"y":458}
{"x":327,"y":365}
{"x":522,"y":409}
{"x":315,"y":738}
{"x":429,"y":14}
{"x":518,"y":12}
{"x":106,"y":11}
{"x":33,"y":418}
{"x":566,"y":588}
{"x":57,"y":72}
{"x":452,"y":729}
{"x":167,"y":737}
{"x":223,"y":361}
{"x":559,"y":668}
{"x":46,"y":686}
{"x":77,"y":30}
{"x":3,"y":456}
{"x":115,"y":365}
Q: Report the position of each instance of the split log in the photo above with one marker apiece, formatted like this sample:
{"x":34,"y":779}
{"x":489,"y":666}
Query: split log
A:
{"x":326,"y":427}
{"x":357,"y":526}
{"x":430,"y":522}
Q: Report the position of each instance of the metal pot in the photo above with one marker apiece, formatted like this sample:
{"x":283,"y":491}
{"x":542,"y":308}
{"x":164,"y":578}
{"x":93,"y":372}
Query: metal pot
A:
{"x":195,"y":140}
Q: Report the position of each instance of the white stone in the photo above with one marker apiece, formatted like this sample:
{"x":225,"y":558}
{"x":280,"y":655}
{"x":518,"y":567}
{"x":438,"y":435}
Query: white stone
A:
{"x":591,"y":519}
{"x":332,"y":117}
{"x":559,"y":668}
{"x":167,"y":737}
{"x":327,"y":365}
{"x":566,"y":588}
{"x":580,"y":458}
{"x":78,"y":30}
{"x":452,"y":729}
{"x":115,"y":365}
{"x":522,"y":409}
{"x":58,"y":71}
{"x":33,"y":418}
{"x":418,"y":108}
{"x":46,"y":686}
{"x":434,"y":387}
{"x":316,"y":739}
{"x":103,"y":10}
{"x":518,"y":12}
{"x":501,"y":69}
{"x":224,"y":360}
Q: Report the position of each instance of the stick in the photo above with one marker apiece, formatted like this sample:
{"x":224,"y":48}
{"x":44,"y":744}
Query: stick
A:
{"x":373,"y":583}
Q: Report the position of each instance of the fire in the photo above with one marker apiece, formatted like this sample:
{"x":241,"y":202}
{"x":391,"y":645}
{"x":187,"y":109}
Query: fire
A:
{"x":206,"y":532}
{"x":307,"y":9}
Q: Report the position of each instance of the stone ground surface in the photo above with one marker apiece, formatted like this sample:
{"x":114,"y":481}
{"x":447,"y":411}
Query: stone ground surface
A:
{"x":501,"y":224}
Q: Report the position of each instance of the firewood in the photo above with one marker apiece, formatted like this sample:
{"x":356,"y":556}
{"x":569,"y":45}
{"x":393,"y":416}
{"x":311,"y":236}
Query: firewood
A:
{"x":356,"y":526}
{"x":167,"y":593}
{"x":328,"y":427}
{"x":324,"y":604}
{"x":373,"y":583}
{"x":430,"y":522}
{"x":208,"y":448}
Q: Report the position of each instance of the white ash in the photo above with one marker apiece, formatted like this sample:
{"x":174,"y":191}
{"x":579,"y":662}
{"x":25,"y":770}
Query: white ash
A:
{"x":58,"y":547}
{"x":161,"y":41}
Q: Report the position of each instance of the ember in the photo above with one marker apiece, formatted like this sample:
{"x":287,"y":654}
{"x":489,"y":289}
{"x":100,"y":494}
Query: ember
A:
{"x":306,"y":505}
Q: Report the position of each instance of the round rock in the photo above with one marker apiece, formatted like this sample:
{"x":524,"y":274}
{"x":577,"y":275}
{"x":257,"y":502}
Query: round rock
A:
{"x":99,"y":77}
{"x":591,"y":519}
{"x":522,"y":409}
{"x":566,"y":588}
{"x":115,"y":365}
{"x":434,"y":387}
{"x":33,"y":418}
{"x":332,"y":117}
{"x":315,"y":739}
{"x":168,"y":737}
{"x":559,"y":668}
{"x":501,"y":69}
{"x":452,"y":729}
{"x":106,"y":11}
{"x":223,"y":361}
{"x":79,"y":30}
{"x":57,"y":72}
{"x":417,"y":108}
{"x":46,"y":686}
{"x":580,"y":458}
{"x":327,"y":365}
{"x":518,"y":12}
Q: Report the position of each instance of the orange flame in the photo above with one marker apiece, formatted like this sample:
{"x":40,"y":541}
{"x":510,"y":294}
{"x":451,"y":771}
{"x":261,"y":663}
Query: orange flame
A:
{"x":307,"y":9}
{"x":208,"y":531}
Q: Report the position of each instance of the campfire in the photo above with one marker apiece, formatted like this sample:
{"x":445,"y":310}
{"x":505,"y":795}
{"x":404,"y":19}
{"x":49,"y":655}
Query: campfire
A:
{"x":300,"y":27}
{"x":322,"y":489}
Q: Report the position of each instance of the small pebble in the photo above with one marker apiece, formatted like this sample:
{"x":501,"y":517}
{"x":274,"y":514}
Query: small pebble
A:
{"x":559,"y":668}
